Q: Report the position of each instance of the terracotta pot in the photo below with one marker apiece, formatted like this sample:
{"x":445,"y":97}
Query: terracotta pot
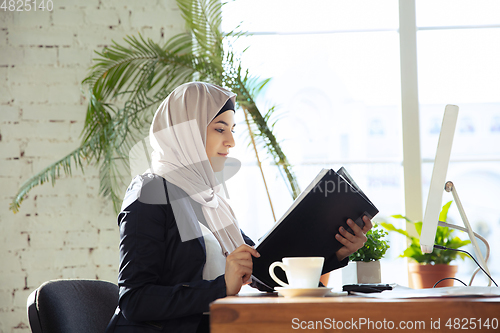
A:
{"x":425,"y":276}
{"x":324,"y":279}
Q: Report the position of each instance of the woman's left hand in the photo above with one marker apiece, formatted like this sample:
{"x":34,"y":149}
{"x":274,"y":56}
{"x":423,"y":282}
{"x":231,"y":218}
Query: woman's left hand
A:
{"x":351,"y":242}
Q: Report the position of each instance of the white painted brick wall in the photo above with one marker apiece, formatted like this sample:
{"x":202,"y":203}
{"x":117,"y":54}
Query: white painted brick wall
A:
{"x":66,"y":231}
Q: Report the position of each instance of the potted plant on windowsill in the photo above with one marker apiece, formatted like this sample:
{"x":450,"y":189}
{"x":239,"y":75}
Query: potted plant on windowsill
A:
{"x":364,"y":265}
{"x":429,"y":268}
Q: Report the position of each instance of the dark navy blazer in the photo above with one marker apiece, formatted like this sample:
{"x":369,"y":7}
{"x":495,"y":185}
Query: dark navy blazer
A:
{"x":160,"y":276}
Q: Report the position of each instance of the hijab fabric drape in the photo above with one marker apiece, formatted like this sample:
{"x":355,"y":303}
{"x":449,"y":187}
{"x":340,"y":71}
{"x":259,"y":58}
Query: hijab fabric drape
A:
{"x":178,"y":138}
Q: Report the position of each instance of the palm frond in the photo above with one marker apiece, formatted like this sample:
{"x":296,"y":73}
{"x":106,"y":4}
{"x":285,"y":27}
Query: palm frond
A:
{"x":238,"y":84}
{"x":127,"y":83}
{"x":51,"y":173}
{"x":203,"y":19}
{"x":111,"y":179}
{"x":157,"y":73}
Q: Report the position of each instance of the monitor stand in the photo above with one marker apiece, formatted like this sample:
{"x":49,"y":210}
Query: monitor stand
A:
{"x":450,"y":187}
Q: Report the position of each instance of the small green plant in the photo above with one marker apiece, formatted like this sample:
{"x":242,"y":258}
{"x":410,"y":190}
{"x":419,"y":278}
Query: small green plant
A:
{"x":374,"y":248}
{"x":444,"y":237}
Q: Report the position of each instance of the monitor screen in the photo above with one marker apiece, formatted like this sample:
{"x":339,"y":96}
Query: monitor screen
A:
{"x":438,"y":180}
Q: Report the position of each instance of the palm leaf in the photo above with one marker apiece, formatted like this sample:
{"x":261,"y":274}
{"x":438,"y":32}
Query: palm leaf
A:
{"x":443,"y":215}
{"x":391,"y":227}
{"x":157,"y":75}
{"x":52,"y":173}
{"x":399,"y":216}
{"x":203,"y":20}
{"x":127,"y":83}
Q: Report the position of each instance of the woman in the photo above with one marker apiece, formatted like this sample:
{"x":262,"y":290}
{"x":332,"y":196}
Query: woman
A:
{"x":181,"y":247}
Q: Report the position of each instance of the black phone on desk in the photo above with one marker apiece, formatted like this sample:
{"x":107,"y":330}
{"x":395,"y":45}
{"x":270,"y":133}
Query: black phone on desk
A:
{"x":366,"y":287}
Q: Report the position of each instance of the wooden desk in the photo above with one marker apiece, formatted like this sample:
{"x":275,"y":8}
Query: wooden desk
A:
{"x":240,"y":314}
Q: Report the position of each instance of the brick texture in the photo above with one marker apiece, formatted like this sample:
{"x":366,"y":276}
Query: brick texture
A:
{"x":66,"y":231}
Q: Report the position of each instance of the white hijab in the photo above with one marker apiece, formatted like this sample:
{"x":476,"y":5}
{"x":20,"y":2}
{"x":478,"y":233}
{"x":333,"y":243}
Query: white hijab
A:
{"x":178,"y":138}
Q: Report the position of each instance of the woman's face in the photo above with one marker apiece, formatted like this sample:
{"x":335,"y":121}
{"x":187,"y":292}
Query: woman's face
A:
{"x":220,"y":139}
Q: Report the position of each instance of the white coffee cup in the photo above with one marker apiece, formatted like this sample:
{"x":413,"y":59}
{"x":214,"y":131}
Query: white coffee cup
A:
{"x":301,"y":272}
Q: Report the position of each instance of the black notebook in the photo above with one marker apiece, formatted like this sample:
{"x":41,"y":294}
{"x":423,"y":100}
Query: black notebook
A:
{"x":309,"y":226}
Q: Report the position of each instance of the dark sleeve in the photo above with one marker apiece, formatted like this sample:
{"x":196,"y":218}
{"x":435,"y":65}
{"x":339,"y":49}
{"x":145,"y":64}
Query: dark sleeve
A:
{"x":149,"y":289}
{"x":333,"y":263}
{"x":340,"y":264}
{"x":247,"y":239}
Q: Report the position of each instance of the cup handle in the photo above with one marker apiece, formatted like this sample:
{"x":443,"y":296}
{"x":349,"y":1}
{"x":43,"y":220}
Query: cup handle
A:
{"x":274,"y":277}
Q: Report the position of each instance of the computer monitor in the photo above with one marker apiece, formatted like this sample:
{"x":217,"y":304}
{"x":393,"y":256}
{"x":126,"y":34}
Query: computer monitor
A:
{"x":438,"y":180}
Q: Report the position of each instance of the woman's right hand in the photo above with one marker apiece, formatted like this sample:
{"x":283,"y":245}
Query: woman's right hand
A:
{"x":239,"y":268}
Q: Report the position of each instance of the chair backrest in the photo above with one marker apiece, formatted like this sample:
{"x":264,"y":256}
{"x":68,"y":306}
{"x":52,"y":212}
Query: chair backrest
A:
{"x":72,"y":306}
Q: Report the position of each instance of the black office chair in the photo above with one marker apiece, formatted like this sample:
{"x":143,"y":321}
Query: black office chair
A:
{"x":72,"y":306}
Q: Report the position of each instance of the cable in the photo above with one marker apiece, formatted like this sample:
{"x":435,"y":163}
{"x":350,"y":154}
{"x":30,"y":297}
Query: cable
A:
{"x":485,"y":242}
{"x":467,"y":253}
{"x":449,"y":278}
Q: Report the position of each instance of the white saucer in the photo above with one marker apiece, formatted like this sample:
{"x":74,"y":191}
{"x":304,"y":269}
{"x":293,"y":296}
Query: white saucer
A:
{"x":302,"y":292}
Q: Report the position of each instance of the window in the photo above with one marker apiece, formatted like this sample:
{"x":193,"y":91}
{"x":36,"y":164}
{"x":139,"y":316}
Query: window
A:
{"x":458,"y":52}
{"x":336,"y":85}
